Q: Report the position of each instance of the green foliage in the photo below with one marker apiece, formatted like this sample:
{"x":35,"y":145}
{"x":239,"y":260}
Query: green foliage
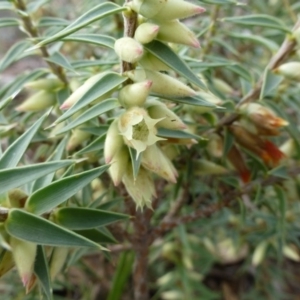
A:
{"x":191,"y":182}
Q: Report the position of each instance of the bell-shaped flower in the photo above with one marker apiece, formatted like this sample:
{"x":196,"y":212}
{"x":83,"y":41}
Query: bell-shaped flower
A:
{"x":141,"y":189}
{"x":138,"y":129}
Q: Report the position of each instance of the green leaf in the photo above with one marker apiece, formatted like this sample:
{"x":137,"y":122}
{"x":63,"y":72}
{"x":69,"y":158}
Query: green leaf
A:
{"x":52,"y":21}
{"x":60,"y":60}
{"x":177,"y":134}
{"x":121,"y":275}
{"x":35,"y":5}
{"x":228,"y":142}
{"x":6,"y":6}
{"x":269,"y":44}
{"x":41,"y":271}
{"x":95,"y":145}
{"x":85,"y":218}
{"x":106,"y":83}
{"x":280,"y":171}
{"x":135,"y":161}
{"x":259,"y":20}
{"x":91,"y":63}
{"x":7,"y":22}
{"x":59,"y":191}
{"x":13,"y":178}
{"x":29,"y":227}
{"x":220,"y":2}
{"x":56,"y":155}
{"x":13,"y":54}
{"x":15,"y":151}
{"x":194,"y":100}
{"x":97,"y":236}
{"x":91,"y":113}
{"x":91,"y":38}
{"x":171,"y":59}
{"x":98,"y":12}
{"x":19,"y":82}
{"x":271,"y":81}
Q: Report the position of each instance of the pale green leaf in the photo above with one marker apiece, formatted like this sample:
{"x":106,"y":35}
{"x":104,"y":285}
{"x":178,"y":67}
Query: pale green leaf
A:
{"x":96,"y":13}
{"x":91,"y":113}
{"x":52,"y":21}
{"x":7,"y":22}
{"x":60,"y":60}
{"x":41,"y":271}
{"x":96,"y":145}
{"x":171,"y":59}
{"x":259,"y":20}
{"x":13,"y":54}
{"x":177,"y":134}
{"x":59,"y":191}
{"x":91,"y":38}
{"x":78,"y":218}
{"x":6,"y":6}
{"x":35,"y":5}
{"x":271,"y":81}
{"x":97,"y":235}
{"x":29,"y":227}
{"x":106,"y":83}
{"x":13,"y":178}
{"x":15,"y":151}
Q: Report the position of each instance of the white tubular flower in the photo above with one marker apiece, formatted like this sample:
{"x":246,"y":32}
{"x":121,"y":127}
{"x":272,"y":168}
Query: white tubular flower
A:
{"x":138,"y":129}
{"x":140,"y":189}
{"x":154,"y":160}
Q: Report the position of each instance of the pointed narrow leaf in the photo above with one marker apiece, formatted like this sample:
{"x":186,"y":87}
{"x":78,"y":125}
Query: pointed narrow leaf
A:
{"x":96,"y":13}
{"x":41,"y":270}
{"x":15,"y":151}
{"x":60,"y":60}
{"x":26,"y":226}
{"x":59,"y":191}
{"x":178,"y":134}
{"x":52,"y":21}
{"x":56,"y":155}
{"x":271,"y":81}
{"x":13,"y":178}
{"x":91,"y":113}
{"x":92,"y":38}
{"x":85,"y":218}
{"x":97,"y":236}
{"x":259,"y":20}
{"x":106,"y":83}
{"x":171,"y":59}
{"x":13,"y":54}
{"x":7,"y":22}
{"x":6,"y":6}
{"x":96,"y":145}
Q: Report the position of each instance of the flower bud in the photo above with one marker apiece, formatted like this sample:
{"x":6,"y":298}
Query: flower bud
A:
{"x":169,"y":120}
{"x":17,"y":198}
{"x":151,"y":62}
{"x":215,"y":146}
{"x":38,"y":101}
{"x":113,"y":141}
{"x":78,"y":136}
{"x":79,"y":92}
{"x":263,"y":118}
{"x":176,"y":32}
{"x":141,"y":189}
{"x":48,"y":84}
{"x":135,"y":94}
{"x":24,"y":255}
{"x":222,"y":86}
{"x":165,"y":10}
{"x":289,"y":70}
{"x":119,"y":165}
{"x":138,"y":129}
{"x":291,"y":252}
{"x":128,"y":49}
{"x":259,"y":253}
{"x":154,"y":160}
{"x":205,"y":167}
{"x":146,"y":32}
{"x":162,"y":84}
{"x":288,"y":148}
{"x":58,"y":259}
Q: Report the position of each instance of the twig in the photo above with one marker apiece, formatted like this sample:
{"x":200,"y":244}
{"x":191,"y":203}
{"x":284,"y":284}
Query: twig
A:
{"x":284,"y":51}
{"x":33,"y":32}
{"x":227,"y":200}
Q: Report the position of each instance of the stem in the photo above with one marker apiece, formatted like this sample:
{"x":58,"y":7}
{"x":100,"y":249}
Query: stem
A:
{"x":33,"y":32}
